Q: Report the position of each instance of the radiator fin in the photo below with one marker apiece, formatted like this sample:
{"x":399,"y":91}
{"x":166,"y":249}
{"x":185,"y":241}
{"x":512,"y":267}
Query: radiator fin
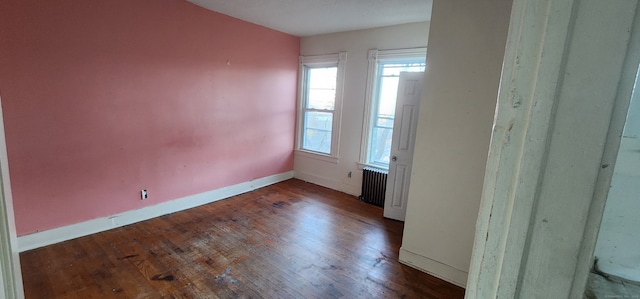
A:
{"x":374,"y":186}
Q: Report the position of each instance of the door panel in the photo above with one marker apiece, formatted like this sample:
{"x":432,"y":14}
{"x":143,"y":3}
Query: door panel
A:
{"x":406,"y":128}
{"x":399,"y":179}
{"x":403,"y":140}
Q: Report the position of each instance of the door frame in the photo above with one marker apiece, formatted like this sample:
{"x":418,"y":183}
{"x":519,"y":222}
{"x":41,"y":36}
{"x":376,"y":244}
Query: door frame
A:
{"x":10,"y":272}
{"x":630,"y":72}
{"x":540,"y":139}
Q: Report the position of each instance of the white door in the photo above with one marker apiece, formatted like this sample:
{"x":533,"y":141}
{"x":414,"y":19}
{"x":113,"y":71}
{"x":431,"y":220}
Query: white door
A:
{"x":402,"y":142}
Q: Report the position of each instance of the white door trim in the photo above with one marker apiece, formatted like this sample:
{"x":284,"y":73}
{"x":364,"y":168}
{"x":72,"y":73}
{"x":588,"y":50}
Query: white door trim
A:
{"x":614,"y":135}
{"x":555,"y":137}
{"x":10,"y":273}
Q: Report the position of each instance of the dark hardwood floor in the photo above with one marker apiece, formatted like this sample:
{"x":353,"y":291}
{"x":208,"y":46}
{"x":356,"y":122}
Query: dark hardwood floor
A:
{"x":289,"y":240}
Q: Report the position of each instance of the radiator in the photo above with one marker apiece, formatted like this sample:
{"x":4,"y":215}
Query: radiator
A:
{"x":374,"y":186}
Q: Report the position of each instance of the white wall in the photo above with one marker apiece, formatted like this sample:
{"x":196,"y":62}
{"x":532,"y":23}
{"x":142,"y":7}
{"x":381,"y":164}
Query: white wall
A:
{"x":356,"y":44}
{"x":466,"y":47}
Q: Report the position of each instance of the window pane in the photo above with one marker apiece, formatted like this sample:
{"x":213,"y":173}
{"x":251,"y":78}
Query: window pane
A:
{"x":321,"y":99}
{"x":321,"y":92}
{"x":388,"y":95}
{"x":381,"y":145}
{"x":317,"y":131}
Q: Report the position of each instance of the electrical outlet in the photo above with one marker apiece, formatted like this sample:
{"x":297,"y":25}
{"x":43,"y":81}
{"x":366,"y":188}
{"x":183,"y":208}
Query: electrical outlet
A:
{"x":144,"y":194}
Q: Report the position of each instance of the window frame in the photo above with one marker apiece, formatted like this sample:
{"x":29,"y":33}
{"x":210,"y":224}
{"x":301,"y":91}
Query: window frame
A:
{"x":375,"y":57}
{"x":318,"y":61}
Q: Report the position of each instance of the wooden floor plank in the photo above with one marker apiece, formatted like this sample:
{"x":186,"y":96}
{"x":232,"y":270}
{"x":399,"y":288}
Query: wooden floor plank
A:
{"x":288,"y":240}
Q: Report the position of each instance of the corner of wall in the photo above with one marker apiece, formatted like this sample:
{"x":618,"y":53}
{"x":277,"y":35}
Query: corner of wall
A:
{"x":433,"y":267}
{"x":327,"y":182}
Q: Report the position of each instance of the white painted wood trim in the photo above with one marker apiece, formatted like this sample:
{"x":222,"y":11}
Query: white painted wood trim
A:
{"x":394,"y":54}
{"x":329,"y":60}
{"x":361,"y":166}
{"x":562,"y":68}
{"x":320,"y":60}
{"x":612,"y":146}
{"x":10,"y":275}
{"x":77,"y":230}
{"x":300,"y":104}
{"x":316,"y":156}
{"x":433,"y":267}
{"x":372,"y":70}
{"x":337,"y":123}
{"x":525,"y":77}
{"x":10,"y":272}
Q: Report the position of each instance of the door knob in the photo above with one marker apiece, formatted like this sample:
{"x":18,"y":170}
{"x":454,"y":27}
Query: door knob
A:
{"x":394,"y":158}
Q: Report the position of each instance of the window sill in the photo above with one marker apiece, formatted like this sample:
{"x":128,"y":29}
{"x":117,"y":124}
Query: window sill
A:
{"x":316,"y":156}
{"x":363,"y":165}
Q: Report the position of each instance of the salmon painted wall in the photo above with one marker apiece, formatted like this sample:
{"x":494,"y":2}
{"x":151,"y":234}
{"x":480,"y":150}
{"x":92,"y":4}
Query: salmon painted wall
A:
{"x":104,"y":98}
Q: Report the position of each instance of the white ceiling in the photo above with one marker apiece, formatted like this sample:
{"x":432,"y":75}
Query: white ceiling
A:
{"x":312,"y":17}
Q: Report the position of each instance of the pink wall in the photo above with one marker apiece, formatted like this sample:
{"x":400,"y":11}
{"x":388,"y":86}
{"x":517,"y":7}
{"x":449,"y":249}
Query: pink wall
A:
{"x":104,"y":98}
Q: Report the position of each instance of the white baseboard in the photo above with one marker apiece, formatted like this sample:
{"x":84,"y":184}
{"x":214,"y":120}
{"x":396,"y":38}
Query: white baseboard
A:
{"x":329,"y":183}
{"x":433,"y":267}
{"x":60,"y":234}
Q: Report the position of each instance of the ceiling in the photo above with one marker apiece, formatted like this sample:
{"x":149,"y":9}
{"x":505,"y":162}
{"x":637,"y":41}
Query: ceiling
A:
{"x":312,"y":17}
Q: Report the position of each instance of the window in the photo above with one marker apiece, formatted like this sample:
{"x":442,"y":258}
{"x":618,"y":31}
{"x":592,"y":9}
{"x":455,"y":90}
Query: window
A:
{"x":320,"y":92}
{"x":382,"y":89}
{"x":319,"y":108}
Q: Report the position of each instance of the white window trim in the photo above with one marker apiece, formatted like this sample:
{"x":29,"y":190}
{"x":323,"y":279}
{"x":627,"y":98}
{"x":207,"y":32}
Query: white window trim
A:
{"x":315,"y":156}
{"x":375,"y":56}
{"x":339,"y":60}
